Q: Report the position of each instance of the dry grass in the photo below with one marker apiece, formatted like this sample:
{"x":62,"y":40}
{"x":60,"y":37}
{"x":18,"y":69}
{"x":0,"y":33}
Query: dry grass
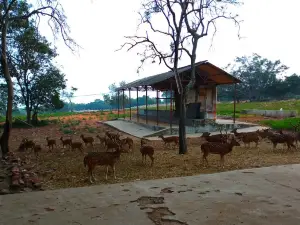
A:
{"x":64,"y":168}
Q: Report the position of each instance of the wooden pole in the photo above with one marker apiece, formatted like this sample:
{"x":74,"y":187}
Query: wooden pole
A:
{"x":234,"y":103}
{"x":118,"y":104}
{"x":157,"y":107}
{"x":146,"y":105}
{"x":129,"y":103}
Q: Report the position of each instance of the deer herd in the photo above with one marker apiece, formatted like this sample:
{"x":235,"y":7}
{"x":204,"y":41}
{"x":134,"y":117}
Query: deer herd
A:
{"x":220,"y":144}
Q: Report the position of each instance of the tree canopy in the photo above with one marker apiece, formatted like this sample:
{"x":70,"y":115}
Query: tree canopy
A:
{"x":262,"y":79}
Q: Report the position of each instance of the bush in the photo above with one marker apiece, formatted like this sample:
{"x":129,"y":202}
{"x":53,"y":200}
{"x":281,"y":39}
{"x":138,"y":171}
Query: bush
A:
{"x":67,"y":131}
{"x":91,"y":130}
{"x":286,"y":124}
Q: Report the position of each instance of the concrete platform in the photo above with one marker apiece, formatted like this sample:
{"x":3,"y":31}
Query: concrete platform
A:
{"x":130,"y":128}
{"x":140,"y":131}
{"x":268,"y":196}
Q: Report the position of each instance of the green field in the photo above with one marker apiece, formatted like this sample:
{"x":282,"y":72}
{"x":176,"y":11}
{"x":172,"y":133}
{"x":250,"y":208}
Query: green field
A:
{"x":227,"y":108}
{"x":222,"y":109}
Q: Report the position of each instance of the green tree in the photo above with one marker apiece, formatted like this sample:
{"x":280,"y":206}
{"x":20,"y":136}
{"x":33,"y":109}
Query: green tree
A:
{"x":29,"y":57}
{"x":257,"y":74}
{"x":14,"y":12}
{"x":70,"y":95}
{"x":45,"y":91}
{"x":111,"y":98}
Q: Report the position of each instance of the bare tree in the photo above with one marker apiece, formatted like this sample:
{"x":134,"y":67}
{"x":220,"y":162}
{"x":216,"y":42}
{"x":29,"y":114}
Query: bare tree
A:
{"x":170,"y":12}
{"x":200,"y":17}
{"x":12,"y":12}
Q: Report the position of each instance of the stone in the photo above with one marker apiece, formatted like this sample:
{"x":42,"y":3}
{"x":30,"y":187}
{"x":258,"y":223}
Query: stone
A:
{"x":37,"y":185}
{"x":15,"y":184}
{"x":15,"y":170}
{"x":4,"y":191}
{"x":21,"y":182}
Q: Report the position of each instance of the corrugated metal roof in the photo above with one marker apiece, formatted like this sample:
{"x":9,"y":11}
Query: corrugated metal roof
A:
{"x":148,"y":81}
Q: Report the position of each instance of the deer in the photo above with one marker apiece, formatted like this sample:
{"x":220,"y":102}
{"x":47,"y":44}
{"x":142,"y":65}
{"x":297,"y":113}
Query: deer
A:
{"x":169,"y":140}
{"x":221,"y":149}
{"x":146,"y":150}
{"x":87,"y":140}
{"x":92,"y":159}
{"x":50,"y":143}
{"x":66,"y":142}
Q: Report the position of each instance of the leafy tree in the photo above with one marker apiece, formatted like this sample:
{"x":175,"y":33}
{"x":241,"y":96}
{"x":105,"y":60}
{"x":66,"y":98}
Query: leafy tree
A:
{"x":260,"y":78}
{"x":45,"y":91}
{"x":13,"y":12}
{"x":29,"y":57}
{"x":111,"y":98}
{"x":70,"y":95}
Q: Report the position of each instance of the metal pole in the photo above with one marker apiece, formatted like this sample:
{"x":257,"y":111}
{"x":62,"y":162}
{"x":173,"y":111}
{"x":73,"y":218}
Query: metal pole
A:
{"x":123,"y":103}
{"x":129,"y":104}
{"x":157,"y":107}
{"x":234,"y":103}
{"x":146,"y":104}
{"x":118,"y":103}
{"x":137,"y":103}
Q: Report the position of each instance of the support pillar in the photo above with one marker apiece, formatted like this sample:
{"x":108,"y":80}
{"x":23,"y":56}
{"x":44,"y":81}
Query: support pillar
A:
{"x":146,"y":104}
{"x":118,"y":100}
{"x":129,"y":104}
{"x":234,"y":103}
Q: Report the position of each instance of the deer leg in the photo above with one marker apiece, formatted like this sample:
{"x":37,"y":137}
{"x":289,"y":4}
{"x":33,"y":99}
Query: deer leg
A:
{"x":114,"y":171}
{"x":152,"y":159}
{"x":90,"y":175}
{"x":204,"y":158}
{"x":106,"y":172}
{"x":274,"y":146}
{"x":222,"y":161}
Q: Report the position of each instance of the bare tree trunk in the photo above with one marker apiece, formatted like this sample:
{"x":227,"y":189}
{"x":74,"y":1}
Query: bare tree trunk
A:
{"x":182,"y":131}
{"x":4,"y":140}
{"x":34,"y":120}
{"x":28,"y":115}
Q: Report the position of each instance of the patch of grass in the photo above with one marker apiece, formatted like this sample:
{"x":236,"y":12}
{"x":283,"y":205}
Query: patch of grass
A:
{"x":20,"y":123}
{"x":286,"y":124}
{"x":91,"y":129}
{"x":226,"y":108}
{"x":67,"y":131}
{"x":66,"y":125}
{"x":112,"y":116}
{"x":75,"y":122}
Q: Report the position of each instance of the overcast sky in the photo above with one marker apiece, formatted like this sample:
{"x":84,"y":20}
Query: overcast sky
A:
{"x":270,"y":28}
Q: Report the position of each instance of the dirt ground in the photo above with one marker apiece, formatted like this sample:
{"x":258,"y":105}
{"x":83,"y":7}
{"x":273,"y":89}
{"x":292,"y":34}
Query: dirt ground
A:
{"x":63,"y":168}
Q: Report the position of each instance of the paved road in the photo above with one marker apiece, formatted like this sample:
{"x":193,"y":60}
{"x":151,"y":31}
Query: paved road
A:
{"x":267,"y":196}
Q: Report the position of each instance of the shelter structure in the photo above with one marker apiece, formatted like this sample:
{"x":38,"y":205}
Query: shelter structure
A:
{"x":201,"y":102}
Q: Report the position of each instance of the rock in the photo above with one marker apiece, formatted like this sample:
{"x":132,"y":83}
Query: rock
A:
{"x":37,"y":185}
{"x":4,"y":192}
{"x":16,"y":160}
{"x":15,"y":170}
{"x":21,"y":182}
{"x":15,"y":184}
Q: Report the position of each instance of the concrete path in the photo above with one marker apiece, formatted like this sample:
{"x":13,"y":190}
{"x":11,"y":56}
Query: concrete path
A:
{"x":268,"y":196}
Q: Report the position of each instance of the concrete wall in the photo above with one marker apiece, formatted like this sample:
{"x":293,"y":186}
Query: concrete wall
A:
{"x":271,"y":113}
